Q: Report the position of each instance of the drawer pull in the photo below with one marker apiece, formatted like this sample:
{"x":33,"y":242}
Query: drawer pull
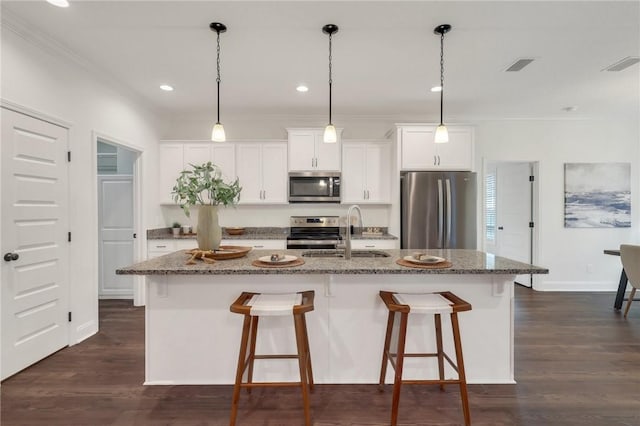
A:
{"x":258,"y":246}
{"x":161,"y":246}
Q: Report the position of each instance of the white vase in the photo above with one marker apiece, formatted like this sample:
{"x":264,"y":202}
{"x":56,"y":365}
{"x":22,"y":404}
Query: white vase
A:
{"x":209,"y":233}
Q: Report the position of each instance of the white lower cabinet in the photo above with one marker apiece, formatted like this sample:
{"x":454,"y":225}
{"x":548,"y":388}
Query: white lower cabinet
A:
{"x":156,"y":248}
{"x":373,"y":244}
{"x":258,"y":244}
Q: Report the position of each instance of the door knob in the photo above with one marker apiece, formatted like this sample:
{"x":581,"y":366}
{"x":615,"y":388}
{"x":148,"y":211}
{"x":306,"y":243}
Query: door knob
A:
{"x":11,"y":256}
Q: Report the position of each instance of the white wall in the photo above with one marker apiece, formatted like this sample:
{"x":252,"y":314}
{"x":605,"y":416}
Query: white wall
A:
{"x":573,"y":255}
{"x":53,"y":84}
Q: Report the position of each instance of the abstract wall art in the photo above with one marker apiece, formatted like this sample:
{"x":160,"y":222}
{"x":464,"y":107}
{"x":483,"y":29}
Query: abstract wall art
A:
{"x":597,"y":195}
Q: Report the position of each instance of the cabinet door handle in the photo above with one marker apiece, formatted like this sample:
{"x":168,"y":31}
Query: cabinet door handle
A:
{"x":435,"y":162}
{"x":161,"y":246}
{"x":438,"y":160}
{"x":372,"y":246}
{"x":368,"y":195}
{"x":258,"y":246}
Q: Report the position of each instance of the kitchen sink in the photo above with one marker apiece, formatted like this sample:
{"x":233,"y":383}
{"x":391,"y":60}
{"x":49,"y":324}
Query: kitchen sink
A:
{"x":340,"y":253}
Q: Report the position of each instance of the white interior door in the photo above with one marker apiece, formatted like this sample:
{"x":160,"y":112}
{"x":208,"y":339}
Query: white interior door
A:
{"x":513,"y":237}
{"x":115,"y":210}
{"x":35,"y":269}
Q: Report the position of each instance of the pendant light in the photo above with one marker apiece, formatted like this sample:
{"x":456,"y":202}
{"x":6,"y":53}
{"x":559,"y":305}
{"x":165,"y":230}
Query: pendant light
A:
{"x":442,"y":135}
{"x":217,"y":134}
{"x":330,"y":135}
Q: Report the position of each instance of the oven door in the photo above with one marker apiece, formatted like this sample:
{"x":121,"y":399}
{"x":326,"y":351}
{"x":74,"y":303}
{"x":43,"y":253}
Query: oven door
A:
{"x":306,"y":244}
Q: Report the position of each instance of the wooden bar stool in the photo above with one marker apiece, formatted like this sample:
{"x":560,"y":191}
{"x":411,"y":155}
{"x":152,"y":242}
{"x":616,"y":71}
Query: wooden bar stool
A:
{"x":431,"y":303}
{"x":254,"y":305}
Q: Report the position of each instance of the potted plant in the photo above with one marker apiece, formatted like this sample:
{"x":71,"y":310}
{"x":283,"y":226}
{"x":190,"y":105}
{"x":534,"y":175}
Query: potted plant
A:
{"x":203,"y":186}
{"x":175,"y":228}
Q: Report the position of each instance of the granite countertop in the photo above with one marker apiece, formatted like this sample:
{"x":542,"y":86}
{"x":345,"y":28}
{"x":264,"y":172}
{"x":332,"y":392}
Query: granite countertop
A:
{"x":258,"y":233}
{"x":464,"y":262}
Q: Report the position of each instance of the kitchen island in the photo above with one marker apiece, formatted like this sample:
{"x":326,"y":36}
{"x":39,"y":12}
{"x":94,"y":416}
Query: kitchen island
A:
{"x":193,"y":338}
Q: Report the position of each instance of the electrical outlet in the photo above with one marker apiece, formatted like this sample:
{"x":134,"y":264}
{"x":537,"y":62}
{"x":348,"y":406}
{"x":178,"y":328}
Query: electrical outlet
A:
{"x":589,"y":268}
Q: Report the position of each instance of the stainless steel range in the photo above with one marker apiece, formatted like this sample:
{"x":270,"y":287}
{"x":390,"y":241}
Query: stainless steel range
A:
{"x":314,"y":232}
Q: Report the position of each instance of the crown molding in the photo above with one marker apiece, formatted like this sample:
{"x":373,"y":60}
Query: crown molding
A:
{"x":11,"y":22}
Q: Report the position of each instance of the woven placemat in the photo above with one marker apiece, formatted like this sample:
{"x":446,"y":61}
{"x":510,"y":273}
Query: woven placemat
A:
{"x":439,"y":265}
{"x":261,"y":264}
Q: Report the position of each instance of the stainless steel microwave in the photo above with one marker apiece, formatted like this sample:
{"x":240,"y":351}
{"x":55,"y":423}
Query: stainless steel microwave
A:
{"x":314,"y":187}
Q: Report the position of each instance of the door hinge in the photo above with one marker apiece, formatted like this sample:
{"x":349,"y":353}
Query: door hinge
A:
{"x":532,"y":178}
{"x":68,"y":156}
{"x":530,"y":224}
{"x":69,"y":316}
{"x":69,"y":236}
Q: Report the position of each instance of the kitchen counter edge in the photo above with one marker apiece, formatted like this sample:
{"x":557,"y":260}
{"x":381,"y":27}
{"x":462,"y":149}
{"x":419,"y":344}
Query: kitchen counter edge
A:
{"x":464,"y":262}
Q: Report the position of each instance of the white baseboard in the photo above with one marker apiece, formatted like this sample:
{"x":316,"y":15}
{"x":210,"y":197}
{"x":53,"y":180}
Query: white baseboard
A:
{"x":576,"y":286}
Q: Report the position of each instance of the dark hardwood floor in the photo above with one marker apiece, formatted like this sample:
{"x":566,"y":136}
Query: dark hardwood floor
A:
{"x":577,"y":363}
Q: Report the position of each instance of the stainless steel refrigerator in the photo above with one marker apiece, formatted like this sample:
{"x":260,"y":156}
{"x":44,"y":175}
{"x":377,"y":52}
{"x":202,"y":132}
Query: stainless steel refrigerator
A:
{"x":438,"y":210}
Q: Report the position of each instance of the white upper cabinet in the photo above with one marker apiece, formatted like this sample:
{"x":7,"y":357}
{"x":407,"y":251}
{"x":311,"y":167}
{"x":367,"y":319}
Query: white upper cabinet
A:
{"x":262,"y":170}
{"x":308,"y":152}
{"x":178,"y":156}
{"x":223,"y":155}
{"x":171,"y":164}
{"x":420,"y":152}
{"x":366,"y":172}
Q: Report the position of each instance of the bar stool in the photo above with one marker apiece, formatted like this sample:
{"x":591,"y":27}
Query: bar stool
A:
{"x":254,"y":305}
{"x":430,"y":303}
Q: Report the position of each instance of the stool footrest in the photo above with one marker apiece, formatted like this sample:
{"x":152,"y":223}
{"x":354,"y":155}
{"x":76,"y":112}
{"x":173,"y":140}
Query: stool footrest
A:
{"x":432,"y":382}
{"x":392,"y":356}
{"x":269,"y":384}
{"x":275,"y":356}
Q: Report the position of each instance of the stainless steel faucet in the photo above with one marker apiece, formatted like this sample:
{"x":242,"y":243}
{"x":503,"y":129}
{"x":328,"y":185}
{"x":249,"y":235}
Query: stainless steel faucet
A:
{"x":347,"y":242}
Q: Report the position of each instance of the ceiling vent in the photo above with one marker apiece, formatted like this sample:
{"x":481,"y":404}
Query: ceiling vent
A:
{"x":519,"y":64}
{"x":623,"y":63}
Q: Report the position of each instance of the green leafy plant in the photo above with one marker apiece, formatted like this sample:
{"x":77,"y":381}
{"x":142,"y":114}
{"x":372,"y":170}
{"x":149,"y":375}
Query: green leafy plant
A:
{"x":176,"y":225}
{"x":203,"y":185}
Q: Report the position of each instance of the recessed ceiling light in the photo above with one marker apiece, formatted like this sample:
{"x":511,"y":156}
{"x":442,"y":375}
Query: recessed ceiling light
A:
{"x":436,"y":89}
{"x":302,"y":88}
{"x":166,"y":88}
{"x":59,"y":3}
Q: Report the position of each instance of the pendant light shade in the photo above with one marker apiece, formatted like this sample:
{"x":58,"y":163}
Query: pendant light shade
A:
{"x":217,"y":134}
{"x":442,"y":134}
{"x":330,"y":135}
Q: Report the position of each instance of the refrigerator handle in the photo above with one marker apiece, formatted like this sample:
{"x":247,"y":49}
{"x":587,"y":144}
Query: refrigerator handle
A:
{"x":448,"y":234}
{"x":440,"y":213}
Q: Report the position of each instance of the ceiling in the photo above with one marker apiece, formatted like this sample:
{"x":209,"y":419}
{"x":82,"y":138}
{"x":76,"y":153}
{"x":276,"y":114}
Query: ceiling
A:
{"x":385,"y":55}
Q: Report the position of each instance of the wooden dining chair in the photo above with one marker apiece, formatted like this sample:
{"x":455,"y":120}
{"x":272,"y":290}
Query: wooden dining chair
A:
{"x":630,"y":255}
